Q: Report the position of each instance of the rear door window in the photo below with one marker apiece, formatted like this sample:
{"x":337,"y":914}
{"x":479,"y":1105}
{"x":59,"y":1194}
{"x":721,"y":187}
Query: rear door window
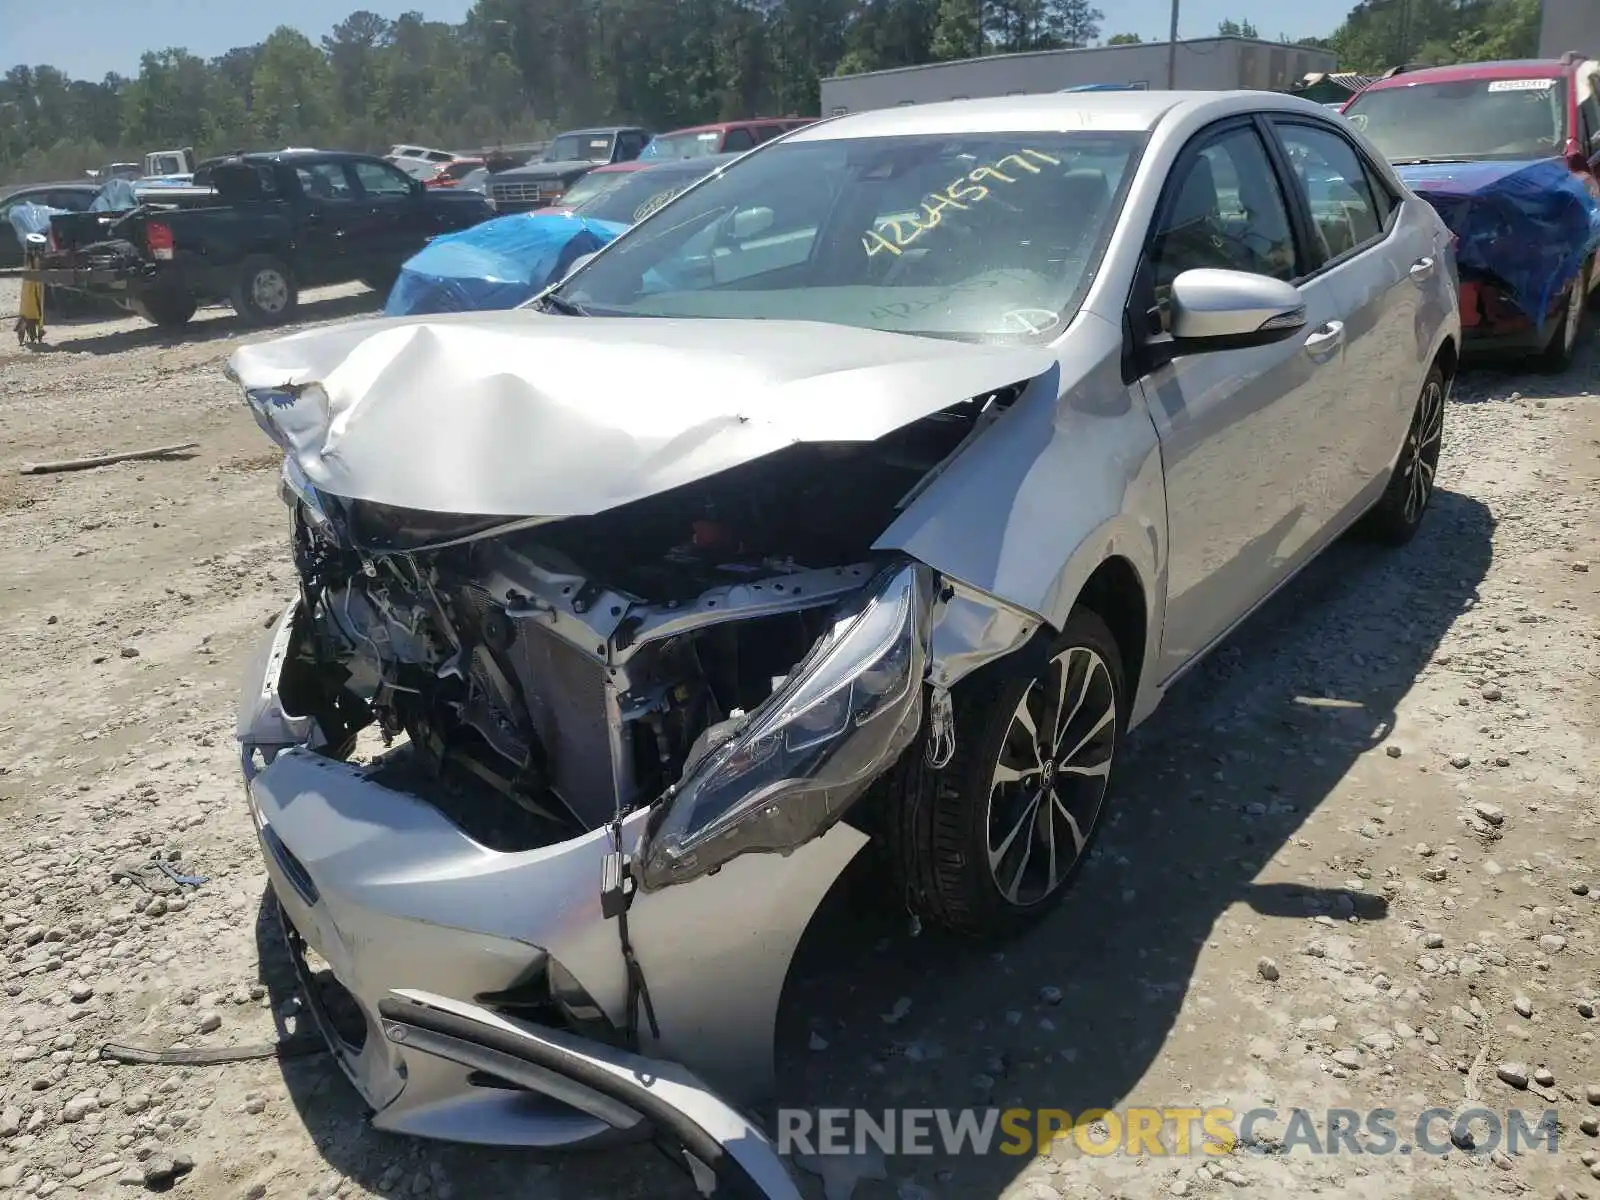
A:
{"x":380,"y":179}
{"x":72,"y":201}
{"x":324,"y":181}
{"x":736,"y":140}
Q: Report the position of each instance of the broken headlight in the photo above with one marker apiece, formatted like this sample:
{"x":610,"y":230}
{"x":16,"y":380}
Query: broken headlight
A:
{"x":843,"y":717}
{"x":294,"y":488}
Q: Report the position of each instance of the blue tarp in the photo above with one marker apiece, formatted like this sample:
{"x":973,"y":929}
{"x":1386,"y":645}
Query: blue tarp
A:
{"x":31,"y":218}
{"x":1529,"y":225}
{"x":117,"y":196}
{"x":35,"y":218}
{"x":499,"y":264}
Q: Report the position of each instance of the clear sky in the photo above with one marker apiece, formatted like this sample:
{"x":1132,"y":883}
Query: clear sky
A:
{"x":87,"y":38}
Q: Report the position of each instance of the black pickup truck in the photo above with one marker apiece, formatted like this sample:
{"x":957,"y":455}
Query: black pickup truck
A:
{"x":253,"y":230}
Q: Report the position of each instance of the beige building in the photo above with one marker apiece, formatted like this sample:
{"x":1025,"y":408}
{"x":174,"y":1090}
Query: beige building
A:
{"x":1569,"y":25}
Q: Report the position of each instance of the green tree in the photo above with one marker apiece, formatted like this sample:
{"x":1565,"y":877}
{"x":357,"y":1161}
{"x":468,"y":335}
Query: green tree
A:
{"x":1124,"y":39}
{"x":291,"y":89}
{"x":1236,"y":29}
{"x":165,"y":105}
{"x":958,"y":31}
{"x":354,"y":50}
{"x":1073,"y":22}
{"x":1510,"y":29}
{"x":514,"y":70}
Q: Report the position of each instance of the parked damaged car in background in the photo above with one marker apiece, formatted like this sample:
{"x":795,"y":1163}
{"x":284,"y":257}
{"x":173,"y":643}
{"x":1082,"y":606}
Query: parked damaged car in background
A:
{"x":870,"y":490}
{"x":1509,"y":154}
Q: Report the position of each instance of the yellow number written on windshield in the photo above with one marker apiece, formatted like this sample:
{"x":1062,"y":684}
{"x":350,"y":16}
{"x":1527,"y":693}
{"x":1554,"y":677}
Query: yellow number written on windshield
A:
{"x":894,"y":234}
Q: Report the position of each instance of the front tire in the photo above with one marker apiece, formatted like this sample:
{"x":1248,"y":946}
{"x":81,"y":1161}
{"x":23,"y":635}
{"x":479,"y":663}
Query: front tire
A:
{"x":264,"y":292}
{"x":1563,"y":348}
{"x":1001,"y":831}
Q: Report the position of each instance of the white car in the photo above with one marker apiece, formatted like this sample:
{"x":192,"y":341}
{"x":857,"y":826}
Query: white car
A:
{"x":419,"y":162}
{"x":875,"y":486}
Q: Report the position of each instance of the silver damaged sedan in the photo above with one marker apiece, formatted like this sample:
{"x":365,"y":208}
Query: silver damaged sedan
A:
{"x":873,"y":488}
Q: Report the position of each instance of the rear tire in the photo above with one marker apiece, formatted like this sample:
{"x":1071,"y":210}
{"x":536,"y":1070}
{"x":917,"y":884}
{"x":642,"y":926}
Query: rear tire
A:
{"x":165,"y":309}
{"x":989,"y":844}
{"x":264,"y":292}
{"x":1395,"y":519}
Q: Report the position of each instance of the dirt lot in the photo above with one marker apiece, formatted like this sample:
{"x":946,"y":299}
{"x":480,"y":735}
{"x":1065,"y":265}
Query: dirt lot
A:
{"x":1354,"y":864}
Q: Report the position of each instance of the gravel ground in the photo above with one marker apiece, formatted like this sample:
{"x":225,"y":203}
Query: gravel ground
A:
{"x":1353,"y":865}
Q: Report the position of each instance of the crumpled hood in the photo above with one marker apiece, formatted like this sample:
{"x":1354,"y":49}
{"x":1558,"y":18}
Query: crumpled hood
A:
{"x":1529,"y":224}
{"x":524,"y":414}
{"x":1460,"y":179}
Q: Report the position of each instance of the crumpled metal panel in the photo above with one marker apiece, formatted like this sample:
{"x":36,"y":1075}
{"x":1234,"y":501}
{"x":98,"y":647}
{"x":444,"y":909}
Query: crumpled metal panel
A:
{"x":1529,"y":224}
{"x":523,"y":414}
{"x":1069,"y":475}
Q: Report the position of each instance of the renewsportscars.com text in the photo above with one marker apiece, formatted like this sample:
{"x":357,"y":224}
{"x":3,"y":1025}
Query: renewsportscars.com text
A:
{"x":1161,"y":1131}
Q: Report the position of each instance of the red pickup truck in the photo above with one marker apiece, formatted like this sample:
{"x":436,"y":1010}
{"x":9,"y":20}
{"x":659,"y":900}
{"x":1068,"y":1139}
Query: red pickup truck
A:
{"x":724,"y":137}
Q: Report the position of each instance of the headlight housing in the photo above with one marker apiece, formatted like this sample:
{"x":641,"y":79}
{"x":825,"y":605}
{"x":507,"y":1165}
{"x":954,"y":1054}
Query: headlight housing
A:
{"x":294,"y":488}
{"x":846,"y":713}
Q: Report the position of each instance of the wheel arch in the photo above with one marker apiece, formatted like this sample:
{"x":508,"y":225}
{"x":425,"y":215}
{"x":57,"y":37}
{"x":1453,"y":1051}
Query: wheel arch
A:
{"x":1116,"y":594}
{"x":1448,"y":359}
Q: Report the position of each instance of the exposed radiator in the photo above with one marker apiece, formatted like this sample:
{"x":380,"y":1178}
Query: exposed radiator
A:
{"x":567,"y":699}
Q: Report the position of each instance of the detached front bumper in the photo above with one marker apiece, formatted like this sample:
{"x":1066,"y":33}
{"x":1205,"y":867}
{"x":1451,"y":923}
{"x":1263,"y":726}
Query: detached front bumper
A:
{"x":413,"y":916}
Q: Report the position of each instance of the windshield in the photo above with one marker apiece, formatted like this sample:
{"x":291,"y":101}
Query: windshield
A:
{"x":637,"y":194}
{"x":986,"y":236}
{"x":684,"y":145}
{"x":590,"y":186}
{"x":1467,"y":119}
{"x":577,"y":147}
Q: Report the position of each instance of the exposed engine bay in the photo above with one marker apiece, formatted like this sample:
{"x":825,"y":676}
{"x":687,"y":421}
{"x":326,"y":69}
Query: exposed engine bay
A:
{"x":578,"y":668}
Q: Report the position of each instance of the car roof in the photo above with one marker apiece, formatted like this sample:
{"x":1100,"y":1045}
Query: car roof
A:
{"x":292,"y":156}
{"x":599,"y":129}
{"x":1510,"y":68}
{"x":64,"y":186}
{"x":724,"y":126}
{"x":1127,"y":112}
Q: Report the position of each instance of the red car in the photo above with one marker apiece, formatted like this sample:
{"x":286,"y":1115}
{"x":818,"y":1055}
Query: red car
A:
{"x":1509,"y":153}
{"x":724,"y":137}
{"x":453,"y":172}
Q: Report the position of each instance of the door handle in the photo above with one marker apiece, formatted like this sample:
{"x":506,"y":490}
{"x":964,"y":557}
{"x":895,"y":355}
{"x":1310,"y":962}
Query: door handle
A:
{"x":1327,"y":338}
{"x":1422,"y":270}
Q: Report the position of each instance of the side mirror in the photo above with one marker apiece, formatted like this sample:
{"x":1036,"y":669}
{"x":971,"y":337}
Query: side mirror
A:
{"x":1232,"y":310}
{"x":749,"y":223}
